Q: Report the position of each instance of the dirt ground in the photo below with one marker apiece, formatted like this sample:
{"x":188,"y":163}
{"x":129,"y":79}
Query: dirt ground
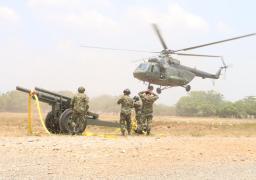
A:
{"x":179,"y":148}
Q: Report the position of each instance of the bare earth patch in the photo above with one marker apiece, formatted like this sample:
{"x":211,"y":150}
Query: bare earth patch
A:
{"x":224,"y":149}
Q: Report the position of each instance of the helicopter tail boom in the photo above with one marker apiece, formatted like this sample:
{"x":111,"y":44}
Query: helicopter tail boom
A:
{"x":208,"y":75}
{"x":204,"y":75}
{"x":218,"y":73}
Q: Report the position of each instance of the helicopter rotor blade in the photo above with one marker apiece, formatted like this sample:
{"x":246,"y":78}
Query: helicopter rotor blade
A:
{"x":155,"y":27}
{"x":197,"y":55}
{"x":116,"y":49}
{"x":217,"y":42}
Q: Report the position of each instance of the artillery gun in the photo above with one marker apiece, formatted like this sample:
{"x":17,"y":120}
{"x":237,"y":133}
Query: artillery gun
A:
{"x":59,"y":119}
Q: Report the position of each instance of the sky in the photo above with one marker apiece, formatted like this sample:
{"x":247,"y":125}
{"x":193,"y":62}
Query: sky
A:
{"x":40,"y":43}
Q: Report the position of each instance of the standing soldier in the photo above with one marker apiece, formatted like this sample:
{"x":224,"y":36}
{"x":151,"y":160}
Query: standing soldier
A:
{"x":125,"y":115}
{"x":148,"y":98}
{"x":79,"y":105}
{"x":137,"y":107}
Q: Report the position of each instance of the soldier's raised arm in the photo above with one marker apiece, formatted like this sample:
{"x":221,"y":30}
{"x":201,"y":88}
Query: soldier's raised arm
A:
{"x":141,"y":94}
{"x":155,"y":96}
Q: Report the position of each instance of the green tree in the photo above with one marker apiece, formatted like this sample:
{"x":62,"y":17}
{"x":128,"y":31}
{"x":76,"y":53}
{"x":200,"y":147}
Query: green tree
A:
{"x":199,"y":103}
{"x":246,"y":106}
{"x":228,"y":109}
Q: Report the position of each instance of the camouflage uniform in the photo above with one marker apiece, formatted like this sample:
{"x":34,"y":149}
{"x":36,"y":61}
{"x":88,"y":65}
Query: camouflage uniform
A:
{"x":79,"y":104}
{"x":125,"y":115}
{"x":148,"y":99}
{"x":137,"y":107}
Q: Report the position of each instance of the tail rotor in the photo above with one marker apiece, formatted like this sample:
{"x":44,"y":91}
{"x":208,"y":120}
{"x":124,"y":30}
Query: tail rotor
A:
{"x":225,"y":67}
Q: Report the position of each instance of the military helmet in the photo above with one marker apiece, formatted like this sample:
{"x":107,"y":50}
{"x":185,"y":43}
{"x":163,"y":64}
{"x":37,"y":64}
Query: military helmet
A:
{"x":127,"y":92}
{"x":81,"y":89}
{"x":136,"y":98}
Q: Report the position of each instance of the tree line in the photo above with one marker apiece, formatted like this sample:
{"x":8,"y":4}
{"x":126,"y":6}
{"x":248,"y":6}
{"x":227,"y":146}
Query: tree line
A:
{"x":212,"y":103}
{"x":196,"y":103}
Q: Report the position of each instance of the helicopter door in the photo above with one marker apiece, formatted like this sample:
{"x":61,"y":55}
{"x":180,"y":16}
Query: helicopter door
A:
{"x":154,"y":70}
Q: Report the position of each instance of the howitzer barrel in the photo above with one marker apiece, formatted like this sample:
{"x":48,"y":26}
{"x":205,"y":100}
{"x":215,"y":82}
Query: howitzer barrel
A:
{"x":52,"y":93}
{"x":47,"y":99}
{"x":41,"y":96}
{"x":25,"y":90}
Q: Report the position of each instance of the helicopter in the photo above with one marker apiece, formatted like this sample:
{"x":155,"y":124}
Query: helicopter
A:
{"x":166,"y":71}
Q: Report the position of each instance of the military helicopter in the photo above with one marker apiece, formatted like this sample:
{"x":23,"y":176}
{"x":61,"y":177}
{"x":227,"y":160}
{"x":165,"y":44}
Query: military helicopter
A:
{"x":167,"y":72}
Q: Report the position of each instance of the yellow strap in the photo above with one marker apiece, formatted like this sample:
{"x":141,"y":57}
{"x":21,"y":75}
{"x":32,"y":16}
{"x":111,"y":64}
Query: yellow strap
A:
{"x":134,"y":124}
{"x":29,"y":127}
{"x":107,"y":136}
{"x":40,"y":114}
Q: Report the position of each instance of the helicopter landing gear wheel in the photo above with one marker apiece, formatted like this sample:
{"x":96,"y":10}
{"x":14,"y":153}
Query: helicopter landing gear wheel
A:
{"x":150,"y":87}
{"x":188,"y":88}
{"x":158,"y":90}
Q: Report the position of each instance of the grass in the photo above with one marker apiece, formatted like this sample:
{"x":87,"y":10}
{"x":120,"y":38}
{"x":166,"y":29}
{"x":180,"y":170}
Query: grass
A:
{"x":14,"y":124}
{"x":197,"y":127}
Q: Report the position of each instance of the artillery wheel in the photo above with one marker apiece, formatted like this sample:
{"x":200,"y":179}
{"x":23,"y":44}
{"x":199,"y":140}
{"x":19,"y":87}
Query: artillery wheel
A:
{"x":51,"y":125}
{"x":69,"y":126}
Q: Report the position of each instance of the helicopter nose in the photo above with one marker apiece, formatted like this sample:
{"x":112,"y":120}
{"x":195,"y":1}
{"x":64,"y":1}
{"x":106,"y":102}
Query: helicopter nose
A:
{"x":138,"y":75}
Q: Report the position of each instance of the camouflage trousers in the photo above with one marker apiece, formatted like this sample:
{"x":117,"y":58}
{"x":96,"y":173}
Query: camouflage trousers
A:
{"x":138,"y":119}
{"x":125,"y":122}
{"x":79,"y":120}
{"x":146,"y":122}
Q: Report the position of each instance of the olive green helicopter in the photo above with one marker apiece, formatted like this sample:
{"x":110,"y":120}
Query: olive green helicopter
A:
{"x":167,"y":72}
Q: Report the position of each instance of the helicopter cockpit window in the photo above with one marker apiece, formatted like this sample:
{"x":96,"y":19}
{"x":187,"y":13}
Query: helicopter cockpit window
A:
{"x":143,"y":67}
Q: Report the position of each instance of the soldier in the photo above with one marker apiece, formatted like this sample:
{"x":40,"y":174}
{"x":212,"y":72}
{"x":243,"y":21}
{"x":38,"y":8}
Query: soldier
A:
{"x":137,"y":107}
{"x":125,"y":115}
{"x":79,"y":105}
{"x":148,"y":98}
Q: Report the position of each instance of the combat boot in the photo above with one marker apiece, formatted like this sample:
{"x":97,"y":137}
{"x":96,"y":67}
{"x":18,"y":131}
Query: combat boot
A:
{"x":123,"y":133}
{"x":138,"y":131}
{"x":148,"y":132}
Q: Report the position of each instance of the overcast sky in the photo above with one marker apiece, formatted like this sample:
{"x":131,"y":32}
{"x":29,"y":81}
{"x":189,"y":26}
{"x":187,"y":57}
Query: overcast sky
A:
{"x":40,"y":43}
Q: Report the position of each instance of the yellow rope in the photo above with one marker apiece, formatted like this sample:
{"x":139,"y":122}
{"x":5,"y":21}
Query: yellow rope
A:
{"x":29,"y":127}
{"x":134,"y":124}
{"x":40,"y":114}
